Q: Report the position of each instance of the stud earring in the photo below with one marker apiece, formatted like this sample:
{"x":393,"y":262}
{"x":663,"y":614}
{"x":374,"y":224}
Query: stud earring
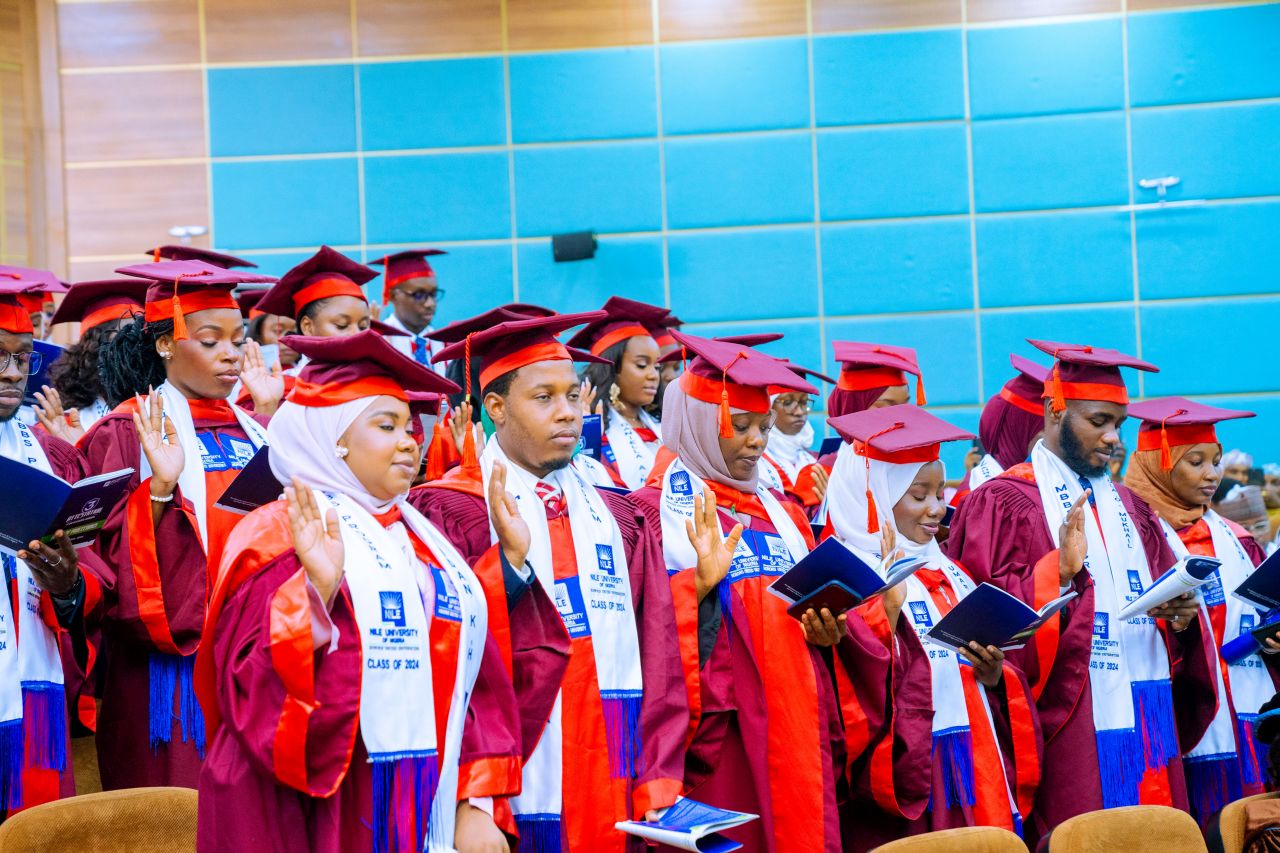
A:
{"x":166,"y":355}
{"x":340,"y":451}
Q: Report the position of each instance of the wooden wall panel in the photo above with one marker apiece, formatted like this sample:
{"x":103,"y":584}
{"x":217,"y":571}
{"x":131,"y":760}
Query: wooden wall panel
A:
{"x":257,"y":31}
{"x":16,"y":212}
{"x":414,"y":27}
{"x":561,"y":24}
{"x":839,"y":15}
{"x":10,"y":33}
{"x":12,"y":116}
{"x":139,"y":116}
{"x":711,"y":19}
{"x":981,"y":11}
{"x":128,"y":32}
{"x":100,"y":269}
{"x":128,"y":208}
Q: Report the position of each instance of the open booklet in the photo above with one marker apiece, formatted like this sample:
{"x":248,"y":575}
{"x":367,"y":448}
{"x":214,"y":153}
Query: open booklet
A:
{"x":1262,"y":587}
{"x":1189,"y":573}
{"x":834,"y":577}
{"x":993,"y":617}
{"x":253,"y":487}
{"x":42,"y":504}
{"x":690,"y":825}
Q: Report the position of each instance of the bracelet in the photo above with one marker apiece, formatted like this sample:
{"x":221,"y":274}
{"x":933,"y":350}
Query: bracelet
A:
{"x":163,"y":500}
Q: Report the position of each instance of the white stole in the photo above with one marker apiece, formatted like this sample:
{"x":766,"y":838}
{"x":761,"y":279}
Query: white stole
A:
{"x":985,"y":470}
{"x":633,"y":456}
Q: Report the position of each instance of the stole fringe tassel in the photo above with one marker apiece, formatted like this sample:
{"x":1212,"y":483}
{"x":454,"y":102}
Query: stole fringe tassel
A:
{"x":1153,"y":708}
{"x":1120,"y":766}
{"x":11,"y":743}
{"x":170,"y":674}
{"x":953,"y":749}
{"x":44,"y":723}
{"x":539,"y":833}
{"x":404,"y":787}
{"x":1212,"y":782}
{"x":622,"y":728}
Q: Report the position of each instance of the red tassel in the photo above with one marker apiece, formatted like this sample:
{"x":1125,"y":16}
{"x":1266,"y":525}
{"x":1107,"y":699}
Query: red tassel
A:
{"x":448,"y":446}
{"x":726,"y":418}
{"x":467,"y":358}
{"x":435,"y":453}
{"x":469,"y":459}
{"x":155,"y":255}
{"x":179,"y":321}
{"x":1059,"y":399}
{"x":920,"y":391}
{"x":873,"y":517}
{"x":1166,"y":454}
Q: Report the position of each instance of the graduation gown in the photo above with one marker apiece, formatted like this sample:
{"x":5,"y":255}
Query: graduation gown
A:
{"x":251,"y":669}
{"x":1000,"y":535}
{"x":456,"y":505}
{"x":156,"y":582}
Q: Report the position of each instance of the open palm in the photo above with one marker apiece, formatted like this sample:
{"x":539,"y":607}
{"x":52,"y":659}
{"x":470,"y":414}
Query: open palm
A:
{"x":316,"y":539}
{"x":159,"y":439}
{"x":713,"y":550}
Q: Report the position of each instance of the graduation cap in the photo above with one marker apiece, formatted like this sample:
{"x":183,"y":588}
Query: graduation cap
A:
{"x":459,"y":329}
{"x":248,"y":298}
{"x":753,"y":340}
{"x":179,"y":288}
{"x":441,"y":452}
{"x":804,"y":372}
{"x":734,"y":376}
{"x":193,"y":253}
{"x":1168,"y":422}
{"x":1025,"y":391}
{"x":624,"y":318}
{"x":864,"y":366}
{"x":92,"y":303}
{"x":403,"y":266}
{"x":15,"y":291}
{"x":325,"y":274}
{"x":899,"y":434}
{"x":662,"y":334}
{"x":339,"y":370}
{"x":1082,"y":372}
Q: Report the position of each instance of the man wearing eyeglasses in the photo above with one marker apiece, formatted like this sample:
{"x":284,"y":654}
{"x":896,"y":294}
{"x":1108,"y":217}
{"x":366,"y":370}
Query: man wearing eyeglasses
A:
{"x":409,"y":286}
{"x":45,"y":595}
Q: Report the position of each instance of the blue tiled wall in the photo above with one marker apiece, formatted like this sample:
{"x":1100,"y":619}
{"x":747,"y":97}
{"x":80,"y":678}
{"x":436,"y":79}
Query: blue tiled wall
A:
{"x":954,"y":189}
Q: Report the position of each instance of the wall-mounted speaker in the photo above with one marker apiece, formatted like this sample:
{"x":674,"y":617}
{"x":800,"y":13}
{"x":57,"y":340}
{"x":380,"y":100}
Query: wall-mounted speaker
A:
{"x":574,"y":246}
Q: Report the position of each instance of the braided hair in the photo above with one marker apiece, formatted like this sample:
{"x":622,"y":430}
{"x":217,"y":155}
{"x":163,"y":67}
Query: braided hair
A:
{"x":128,"y":364}
{"x":75,"y":373}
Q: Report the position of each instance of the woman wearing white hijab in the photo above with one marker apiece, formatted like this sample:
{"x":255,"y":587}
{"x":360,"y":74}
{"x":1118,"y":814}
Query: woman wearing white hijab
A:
{"x":789,"y":464}
{"x":355,"y":699}
{"x":886,"y":495}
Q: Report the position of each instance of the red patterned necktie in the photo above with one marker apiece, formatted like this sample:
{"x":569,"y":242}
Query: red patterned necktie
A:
{"x":552,"y":498}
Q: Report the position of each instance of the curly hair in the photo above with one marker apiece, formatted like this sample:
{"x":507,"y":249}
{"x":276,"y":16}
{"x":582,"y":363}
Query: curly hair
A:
{"x":128,"y":364}
{"x":75,"y":373}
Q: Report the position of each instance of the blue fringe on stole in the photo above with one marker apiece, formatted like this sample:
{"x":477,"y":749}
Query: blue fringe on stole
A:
{"x":404,"y":786}
{"x":44,"y":723}
{"x":622,"y":728}
{"x":539,"y":833}
{"x":167,"y":675}
{"x":1153,"y":709}
{"x":11,"y":748}
{"x":953,"y":750}
{"x":1212,"y":782}
{"x":1253,"y":752}
{"x":1120,"y":766}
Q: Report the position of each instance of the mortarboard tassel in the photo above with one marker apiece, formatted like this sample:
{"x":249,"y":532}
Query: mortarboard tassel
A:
{"x":469,"y":459}
{"x":920,"y":390}
{"x":155,"y":255}
{"x":1059,"y":398}
{"x":726,"y":416}
{"x":1166,"y":454}
{"x":179,"y":321}
{"x":436,"y":450}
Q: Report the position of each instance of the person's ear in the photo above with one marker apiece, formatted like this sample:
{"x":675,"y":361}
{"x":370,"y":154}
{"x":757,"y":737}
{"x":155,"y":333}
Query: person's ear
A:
{"x":164,"y":347}
{"x":306,"y":326}
{"x":495,"y":405}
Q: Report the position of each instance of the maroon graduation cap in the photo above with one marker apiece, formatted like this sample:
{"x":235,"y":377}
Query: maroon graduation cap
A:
{"x":752,"y":340}
{"x":17,"y":293}
{"x":1082,"y":372}
{"x":400,"y":267}
{"x":92,"y":303}
{"x":805,"y":372}
{"x":624,"y":318}
{"x":365,"y":364}
{"x":325,"y":274}
{"x":248,"y":298}
{"x":179,"y":288}
{"x":1168,"y":422}
{"x":459,"y":329}
{"x":866,"y":365}
{"x":193,"y":253}
{"x":898,"y":434}
{"x":662,"y":334}
{"x":734,"y":376}
{"x":1025,"y":390}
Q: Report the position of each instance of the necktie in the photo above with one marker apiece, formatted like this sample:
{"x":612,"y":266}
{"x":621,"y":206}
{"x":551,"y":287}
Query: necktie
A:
{"x":1087,"y":486}
{"x":421,"y":350}
{"x":552,"y":499}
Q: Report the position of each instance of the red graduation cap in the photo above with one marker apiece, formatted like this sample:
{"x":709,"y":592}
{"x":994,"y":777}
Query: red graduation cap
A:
{"x":753,"y":340}
{"x":92,"y":303}
{"x":1168,"y":422}
{"x":339,"y":370}
{"x":179,"y":288}
{"x":1025,"y":391}
{"x":734,"y":376}
{"x":248,"y":298}
{"x":662,"y":334}
{"x":403,"y":266}
{"x":624,"y":318}
{"x":1082,"y":372}
{"x":459,"y":329}
{"x":865,"y":365}
{"x":898,"y":434}
{"x":325,"y":274}
{"x":16,"y":290}
{"x":193,"y":253}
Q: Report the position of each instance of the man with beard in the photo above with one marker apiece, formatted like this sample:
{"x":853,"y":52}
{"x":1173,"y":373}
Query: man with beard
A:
{"x":1105,"y":688}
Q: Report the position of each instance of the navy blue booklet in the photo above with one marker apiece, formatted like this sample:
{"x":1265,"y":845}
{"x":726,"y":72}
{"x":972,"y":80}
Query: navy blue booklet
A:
{"x":829,"y":445}
{"x":41,"y":504}
{"x":49,"y":353}
{"x":253,"y":487}
{"x":834,"y":577}
{"x":591,"y":441}
{"x":1262,"y":588}
{"x":992,"y":617}
{"x":690,"y":825}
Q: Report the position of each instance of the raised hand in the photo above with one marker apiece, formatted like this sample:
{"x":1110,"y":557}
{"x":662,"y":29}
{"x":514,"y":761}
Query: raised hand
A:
{"x":54,"y":567}
{"x":58,"y":422}
{"x":888,"y":545}
{"x":1072,"y":543}
{"x":822,"y":629}
{"x":587,"y":399}
{"x":988,"y":662}
{"x":714,"y":552}
{"x":820,"y":480}
{"x":316,"y":539}
{"x":264,"y":384}
{"x":160,"y":444}
{"x":459,"y":423}
{"x":513,"y":532}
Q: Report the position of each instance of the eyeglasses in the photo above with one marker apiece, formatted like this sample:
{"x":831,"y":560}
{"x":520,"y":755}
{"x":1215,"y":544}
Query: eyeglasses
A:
{"x":28,"y":362}
{"x":421,"y":296}
{"x":796,"y":405}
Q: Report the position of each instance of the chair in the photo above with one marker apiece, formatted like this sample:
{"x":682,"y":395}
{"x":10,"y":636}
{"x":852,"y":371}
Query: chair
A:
{"x":137,"y":820}
{"x":1127,"y":829}
{"x":1231,"y":822}
{"x":966,"y":839}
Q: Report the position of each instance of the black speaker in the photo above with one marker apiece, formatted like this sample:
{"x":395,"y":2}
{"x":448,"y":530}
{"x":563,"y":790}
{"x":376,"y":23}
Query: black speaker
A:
{"x":574,"y":246}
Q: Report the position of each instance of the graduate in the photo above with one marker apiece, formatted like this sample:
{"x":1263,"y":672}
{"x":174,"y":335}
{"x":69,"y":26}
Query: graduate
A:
{"x":410,"y":287}
{"x":46,"y":596}
{"x":323,"y":294}
{"x":1176,"y":470}
{"x":765,"y":728}
{"x":1102,"y":686}
{"x":873,"y":376}
{"x":174,"y":367}
{"x":456,"y":370}
{"x":266,"y":329}
{"x":626,"y":385}
{"x":1011,"y":422}
{"x":77,"y":399}
{"x":194,"y":253}
{"x":355,"y":697}
{"x":978,"y":762}
{"x":604,"y":730}
{"x":788,"y":464}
